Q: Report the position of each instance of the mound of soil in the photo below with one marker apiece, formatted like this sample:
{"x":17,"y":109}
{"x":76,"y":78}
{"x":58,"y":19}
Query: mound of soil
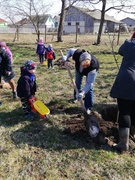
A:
{"x":78,"y":124}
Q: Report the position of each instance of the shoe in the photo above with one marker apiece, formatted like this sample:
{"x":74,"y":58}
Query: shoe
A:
{"x":88,"y":111}
{"x":14,"y":95}
{"x":29,"y":117}
{"x":74,"y":101}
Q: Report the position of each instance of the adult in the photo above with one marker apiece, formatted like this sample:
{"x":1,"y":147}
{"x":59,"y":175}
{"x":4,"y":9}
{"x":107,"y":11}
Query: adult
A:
{"x":86,"y":64}
{"x":6,"y":70}
{"x":124,"y":90}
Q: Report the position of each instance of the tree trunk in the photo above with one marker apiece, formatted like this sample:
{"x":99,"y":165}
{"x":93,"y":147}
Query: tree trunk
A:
{"x":101,"y":22}
{"x":61,"y":23}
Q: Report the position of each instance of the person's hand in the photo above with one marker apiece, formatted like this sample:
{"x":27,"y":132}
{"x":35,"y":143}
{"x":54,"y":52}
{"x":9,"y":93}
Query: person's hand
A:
{"x":8,"y":73}
{"x":32,"y":99}
{"x":79,"y":96}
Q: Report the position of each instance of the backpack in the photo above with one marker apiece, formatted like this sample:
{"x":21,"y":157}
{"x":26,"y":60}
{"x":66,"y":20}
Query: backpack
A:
{"x":49,"y":54}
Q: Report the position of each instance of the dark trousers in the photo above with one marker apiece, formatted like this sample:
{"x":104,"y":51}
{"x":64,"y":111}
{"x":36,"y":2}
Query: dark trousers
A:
{"x":41,"y":58}
{"x":25,"y":106}
{"x":50,"y":63}
{"x":126,"y":113}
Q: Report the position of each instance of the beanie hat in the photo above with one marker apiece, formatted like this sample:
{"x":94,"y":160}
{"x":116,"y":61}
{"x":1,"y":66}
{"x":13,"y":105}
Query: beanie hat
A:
{"x":50,"y":47}
{"x":29,"y":65}
{"x":41,"y":40}
{"x":85,"y":56}
{"x":3,"y":44}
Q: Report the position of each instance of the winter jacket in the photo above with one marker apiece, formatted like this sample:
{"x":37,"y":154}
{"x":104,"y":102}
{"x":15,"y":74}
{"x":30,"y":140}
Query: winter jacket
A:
{"x":40,"y":48}
{"x":5,"y":62}
{"x":124,"y":85}
{"x":50,"y":54}
{"x":26,"y":86}
{"x":93,"y":65}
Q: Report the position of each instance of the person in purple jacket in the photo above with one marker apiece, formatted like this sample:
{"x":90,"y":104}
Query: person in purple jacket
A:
{"x":123,"y":90}
{"x":40,"y":51}
{"x":26,"y":87}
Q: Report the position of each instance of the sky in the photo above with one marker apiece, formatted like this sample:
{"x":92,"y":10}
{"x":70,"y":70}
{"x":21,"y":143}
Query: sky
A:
{"x":56,"y":8}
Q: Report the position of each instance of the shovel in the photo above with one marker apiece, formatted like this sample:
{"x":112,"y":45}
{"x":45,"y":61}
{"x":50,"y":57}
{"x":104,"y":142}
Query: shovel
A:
{"x":91,"y":123}
{"x":73,"y":81}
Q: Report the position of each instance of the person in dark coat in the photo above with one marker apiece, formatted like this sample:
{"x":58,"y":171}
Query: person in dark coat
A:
{"x":124,"y":90}
{"x":86,"y":64}
{"x":26,"y":87}
{"x":6,"y":69}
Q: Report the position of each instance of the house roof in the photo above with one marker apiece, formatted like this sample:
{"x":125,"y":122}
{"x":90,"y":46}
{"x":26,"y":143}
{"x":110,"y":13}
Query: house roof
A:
{"x":128,"y":18}
{"x":96,"y":14}
{"x":2,"y":21}
{"x":26,"y":20}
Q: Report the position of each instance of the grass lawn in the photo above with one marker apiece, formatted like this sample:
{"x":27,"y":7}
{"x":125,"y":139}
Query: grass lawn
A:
{"x":39,"y":149}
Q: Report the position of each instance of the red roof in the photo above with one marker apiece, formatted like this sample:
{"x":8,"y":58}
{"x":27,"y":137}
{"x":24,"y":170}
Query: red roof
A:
{"x":2,"y":21}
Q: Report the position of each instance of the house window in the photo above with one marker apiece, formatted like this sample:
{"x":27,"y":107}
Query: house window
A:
{"x":69,"y":23}
{"x":77,"y":23}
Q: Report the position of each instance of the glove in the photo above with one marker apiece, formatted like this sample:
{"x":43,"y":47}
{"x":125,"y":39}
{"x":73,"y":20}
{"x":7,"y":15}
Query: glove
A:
{"x":32,"y":99}
{"x":64,"y":58}
{"x":80,"y":95}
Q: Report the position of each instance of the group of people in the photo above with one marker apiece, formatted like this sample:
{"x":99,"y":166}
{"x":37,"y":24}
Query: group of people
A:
{"x":86,"y":64}
{"x":123,"y":88}
{"x":47,"y":53}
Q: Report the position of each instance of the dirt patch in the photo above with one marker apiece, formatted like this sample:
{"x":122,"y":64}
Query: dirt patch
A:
{"x":78,"y":127}
{"x":107,"y":118}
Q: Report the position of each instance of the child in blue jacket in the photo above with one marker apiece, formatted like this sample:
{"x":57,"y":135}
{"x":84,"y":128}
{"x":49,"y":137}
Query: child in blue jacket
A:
{"x":40,"y":51}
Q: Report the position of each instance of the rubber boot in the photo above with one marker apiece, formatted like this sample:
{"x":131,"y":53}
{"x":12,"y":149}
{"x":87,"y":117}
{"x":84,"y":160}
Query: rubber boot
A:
{"x":132,"y":131}
{"x":123,"y":144}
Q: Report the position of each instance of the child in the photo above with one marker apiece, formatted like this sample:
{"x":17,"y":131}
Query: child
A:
{"x":41,"y":50}
{"x":7,"y":49}
{"x":26,"y":87}
{"x":6,"y":70}
{"x":50,"y":56}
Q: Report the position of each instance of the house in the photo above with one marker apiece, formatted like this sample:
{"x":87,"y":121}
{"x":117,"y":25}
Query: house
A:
{"x":3,"y":23}
{"x":27,"y":25}
{"x":87,"y":21}
{"x":129,"y":22}
{"x":56,"y":20}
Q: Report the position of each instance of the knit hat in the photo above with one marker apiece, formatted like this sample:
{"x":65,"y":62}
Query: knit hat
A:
{"x":29,"y":65}
{"x":3,"y":44}
{"x":85,"y":56}
{"x":41,"y":40}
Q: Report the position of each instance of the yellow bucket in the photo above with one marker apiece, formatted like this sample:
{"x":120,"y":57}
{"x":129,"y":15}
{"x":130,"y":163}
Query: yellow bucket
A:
{"x":41,"y":107}
{"x":45,"y":63}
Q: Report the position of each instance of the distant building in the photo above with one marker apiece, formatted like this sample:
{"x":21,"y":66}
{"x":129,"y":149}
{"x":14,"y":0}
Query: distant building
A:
{"x":3,"y":23}
{"x":45,"y":20}
{"x":129,"y":22}
{"x":87,"y":21}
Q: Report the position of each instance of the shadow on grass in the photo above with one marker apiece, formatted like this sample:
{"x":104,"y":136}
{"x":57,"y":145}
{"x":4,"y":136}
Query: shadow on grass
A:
{"x":8,"y":119}
{"x":52,"y":138}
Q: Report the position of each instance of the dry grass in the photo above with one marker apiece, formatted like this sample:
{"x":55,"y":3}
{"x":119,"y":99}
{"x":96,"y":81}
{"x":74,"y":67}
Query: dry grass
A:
{"x":39,"y":150}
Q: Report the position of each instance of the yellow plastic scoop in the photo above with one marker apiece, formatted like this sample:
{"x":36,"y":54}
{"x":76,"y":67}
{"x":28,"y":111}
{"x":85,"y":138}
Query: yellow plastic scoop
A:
{"x":41,"y":107}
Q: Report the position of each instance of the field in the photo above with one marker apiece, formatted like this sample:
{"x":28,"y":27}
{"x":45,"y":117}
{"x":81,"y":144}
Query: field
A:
{"x":59,"y":148}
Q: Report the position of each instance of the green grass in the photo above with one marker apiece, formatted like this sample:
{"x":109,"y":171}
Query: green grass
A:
{"x":39,"y":149}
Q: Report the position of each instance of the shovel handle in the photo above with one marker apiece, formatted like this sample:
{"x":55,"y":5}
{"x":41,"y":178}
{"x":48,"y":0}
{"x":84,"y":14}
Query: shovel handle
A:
{"x":72,"y":80}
